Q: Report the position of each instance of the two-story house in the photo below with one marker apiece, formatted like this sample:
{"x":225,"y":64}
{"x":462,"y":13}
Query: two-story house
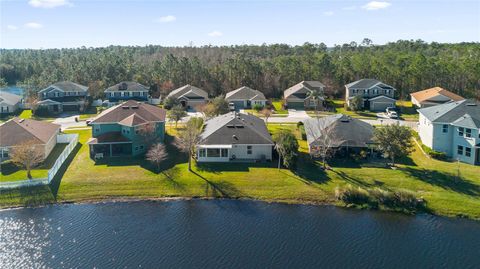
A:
{"x":299,"y":96}
{"x":126,"y":90}
{"x":452,"y":128}
{"x":126,"y":129}
{"x":376,"y":95}
{"x":63,"y":96}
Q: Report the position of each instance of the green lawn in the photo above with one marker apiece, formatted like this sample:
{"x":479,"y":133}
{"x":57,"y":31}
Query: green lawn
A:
{"x":449,"y":188}
{"x":10,"y":172}
{"x":278,"y":108}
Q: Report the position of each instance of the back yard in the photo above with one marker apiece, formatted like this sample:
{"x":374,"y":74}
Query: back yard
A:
{"x":449,"y":188}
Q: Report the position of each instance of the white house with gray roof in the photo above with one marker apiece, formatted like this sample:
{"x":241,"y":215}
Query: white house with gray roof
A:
{"x":452,"y":128}
{"x":63,"y":96}
{"x":298,"y":96}
{"x":245,"y":97}
{"x":9,"y":102}
{"x":189,"y":96}
{"x":235,"y":137}
{"x":376,"y":95}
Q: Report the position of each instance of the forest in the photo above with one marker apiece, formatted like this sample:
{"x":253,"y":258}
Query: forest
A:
{"x":407,"y":65}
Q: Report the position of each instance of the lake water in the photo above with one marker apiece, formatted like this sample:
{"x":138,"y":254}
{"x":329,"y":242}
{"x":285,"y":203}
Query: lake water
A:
{"x":231,"y":234}
{"x":13,"y":89}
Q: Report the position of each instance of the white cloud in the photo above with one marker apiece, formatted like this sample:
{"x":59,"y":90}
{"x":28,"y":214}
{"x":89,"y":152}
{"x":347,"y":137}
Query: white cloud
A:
{"x":328,"y":13}
{"x":375,"y":5}
{"x":49,"y":3}
{"x":12,"y":27}
{"x":169,"y":18}
{"x":33,"y":25}
{"x":215,"y":33}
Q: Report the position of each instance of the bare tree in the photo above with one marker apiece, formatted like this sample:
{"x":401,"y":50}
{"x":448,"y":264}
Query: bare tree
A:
{"x":147,"y":134}
{"x":266,"y":113}
{"x":188,"y":138}
{"x":28,"y":156}
{"x":324,"y":139}
{"x":156,"y":155}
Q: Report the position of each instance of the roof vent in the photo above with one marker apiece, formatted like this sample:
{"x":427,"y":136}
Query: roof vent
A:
{"x":235,"y":137}
{"x":230,"y":126}
{"x":471,"y":104}
{"x":134,"y":107}
{"x":239,"y":126}
{"x":125,"y":107}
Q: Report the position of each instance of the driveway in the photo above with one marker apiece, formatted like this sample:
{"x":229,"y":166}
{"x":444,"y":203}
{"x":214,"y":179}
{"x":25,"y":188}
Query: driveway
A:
{"x":68,"y":121}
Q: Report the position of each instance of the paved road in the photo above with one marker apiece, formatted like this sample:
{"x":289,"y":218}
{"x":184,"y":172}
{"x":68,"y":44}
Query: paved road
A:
{"x":68,"y":121}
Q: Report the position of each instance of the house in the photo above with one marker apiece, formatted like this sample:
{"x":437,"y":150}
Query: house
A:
{"x":17,"y":131}
{"x":452,"y":128}
{"x":376,"y":95}
{"x":126,"y":90}
{"x":123,"y":130}
{"x":298,"y":96}
{"x":9,"y":102}
{"x":189,"y":96}
{"x":343,"y":132}
{"x":235,"y":137}
{"x":63,"y":96}
{"x":245,"y":97}
{"x":433,"y":96}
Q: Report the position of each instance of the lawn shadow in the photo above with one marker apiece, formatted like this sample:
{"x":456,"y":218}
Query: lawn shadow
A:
{"x":223,"y":189}
{"x":309,"y":171}
{"x":448,"y":181}
{"x":217,"y":168}
{"x":352,"y":180}
{"x":55,"y":183}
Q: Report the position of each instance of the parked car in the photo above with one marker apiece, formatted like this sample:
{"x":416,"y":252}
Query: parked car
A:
{"x":231,"y":106}
{"x":392,"y":112}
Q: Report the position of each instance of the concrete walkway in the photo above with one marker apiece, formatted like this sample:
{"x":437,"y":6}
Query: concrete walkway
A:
{"x":69,"y":122}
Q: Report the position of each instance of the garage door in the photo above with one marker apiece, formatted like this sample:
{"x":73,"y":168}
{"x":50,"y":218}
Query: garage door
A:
{"x":380,"y":106}
{"x":239,"y":104}
{"x":295,"y":105}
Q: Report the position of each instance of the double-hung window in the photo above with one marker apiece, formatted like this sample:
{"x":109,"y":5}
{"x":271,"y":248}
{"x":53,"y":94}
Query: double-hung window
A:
{"x":201,"y":153}
{"x":468,"y":132}
{"x":445,"y":128}
{"x":468,"y":151}
{"x":249,"y":150}
{"x":460,"y":131}
{"x":460,"y":150}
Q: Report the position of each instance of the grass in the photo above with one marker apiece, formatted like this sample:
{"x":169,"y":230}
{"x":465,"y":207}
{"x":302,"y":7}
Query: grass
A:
{"x":448,"y":188}
{"x":407,"y":110}
{"x":11,"y":172}
{"x":278,"y":108}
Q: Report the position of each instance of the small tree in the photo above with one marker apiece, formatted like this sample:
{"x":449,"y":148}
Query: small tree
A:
{"x":257,"y":107}
{"x":324,"y":139}
{"x":287,"y":147}
{"x":316,"y":96}
{"x":356,"y":103}
{"x":220,"y":105}
{"x":266,"y":113}
{"x":176,"y":114}
{"x":148,"y":135}
{"x":27,"y":156}
{"x":394,"y":141}
{"x":170,"y":102}
{"x":208,"y":110}
{"x":188,"y":138}
{"x":156,"y":155}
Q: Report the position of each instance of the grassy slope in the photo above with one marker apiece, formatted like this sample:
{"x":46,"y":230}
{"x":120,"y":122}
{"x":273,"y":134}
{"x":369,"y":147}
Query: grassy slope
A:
{"x":445,"y":193}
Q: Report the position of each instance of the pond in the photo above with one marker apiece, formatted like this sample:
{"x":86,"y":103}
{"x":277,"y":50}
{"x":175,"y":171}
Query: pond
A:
{"x":231,"y":234}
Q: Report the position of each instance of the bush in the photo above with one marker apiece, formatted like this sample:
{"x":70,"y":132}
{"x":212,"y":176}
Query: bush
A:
{"x":405,"y":199}
{"x":41,"y":111}
{"x":352,"y":195}
{"x":433,"y":153}
{"x":257,"y":107}
{"x":303,"y":134}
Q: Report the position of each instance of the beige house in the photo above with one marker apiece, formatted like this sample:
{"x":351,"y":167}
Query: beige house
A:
{"x":17,"y":131}
{"x":298,"y":96}
{"x":433,"y":96}
{"x":189,"y":96}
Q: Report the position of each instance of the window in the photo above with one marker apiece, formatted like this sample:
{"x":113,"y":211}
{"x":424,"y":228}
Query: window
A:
{"x":468,"y":132}
{"x":124,"y":131}
{"x":201,"y":153}
{"x":141,"y":147}
{"x":460,"y":150}
{"x":468,"y":152}
{"x":445,"y":128}
{"x":460,"y":131}
{"x":213,"y":153}
{"x":97,"y":130}
{"x":5,"y":154}
{"x":136,"y":148}
{"x":224,"y":153}
{"x":249,"y":150}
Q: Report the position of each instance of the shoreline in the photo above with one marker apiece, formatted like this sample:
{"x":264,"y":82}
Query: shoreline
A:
{"x":205,"y":198}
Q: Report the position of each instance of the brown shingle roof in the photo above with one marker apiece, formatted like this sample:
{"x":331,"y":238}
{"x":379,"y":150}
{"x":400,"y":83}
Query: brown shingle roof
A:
{"x":123,"y":111}
{"x":17,"y":131}
{"x":424,"y":95}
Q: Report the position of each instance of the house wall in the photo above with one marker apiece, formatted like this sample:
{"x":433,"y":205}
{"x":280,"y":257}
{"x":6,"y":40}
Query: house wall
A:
{"x":240,"y":152}
{"x":462,"y":140}
{"x":7,"y":108}
{"x":118,"y":96}
{"x":55,"y":93}
{"x":98,"y":129}
{"x":367,"y":93}
{"x":425,"y":131}
{"x":50,"y":145}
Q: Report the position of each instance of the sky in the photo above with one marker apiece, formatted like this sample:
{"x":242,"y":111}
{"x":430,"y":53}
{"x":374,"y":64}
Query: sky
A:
{"x":98,"y":23}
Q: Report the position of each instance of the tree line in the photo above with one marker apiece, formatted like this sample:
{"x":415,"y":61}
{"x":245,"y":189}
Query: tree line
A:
{"x":406,"y":65}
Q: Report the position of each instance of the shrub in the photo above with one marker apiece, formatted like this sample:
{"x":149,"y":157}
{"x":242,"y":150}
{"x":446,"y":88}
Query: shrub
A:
{"x":433,"y":153}
{"x":352,"y":195}
{"x":405,"y":199}
{"x":41,"y":111}
{"x":257,"y":107}
{"x":303,"y":134}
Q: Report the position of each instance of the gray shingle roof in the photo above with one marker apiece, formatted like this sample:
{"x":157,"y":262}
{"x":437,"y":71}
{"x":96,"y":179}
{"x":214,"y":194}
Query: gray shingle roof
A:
{"x":309,"y":85}
{"x":367,"y":83}
{"x":66,"y":86}
{"x":245,"y":93}
{"x":235,"y":128}
{"x":187,"y":89}
{"x":9,"y":98}
{"x":127,"y":86}
{"x":345,"y":130}
{"x":464,"y":113}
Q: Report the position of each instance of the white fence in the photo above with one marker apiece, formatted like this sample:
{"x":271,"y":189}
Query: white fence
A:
{"x":72,"y":140}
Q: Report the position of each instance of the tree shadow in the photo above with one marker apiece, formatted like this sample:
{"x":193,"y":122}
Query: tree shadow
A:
{"x":170,"y":175}
{"x":352,"y":180}
{"x":217,"y":168}
{"x":309,"y":171}
{"x":221,"y":189}
{"x":448,"y":181}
